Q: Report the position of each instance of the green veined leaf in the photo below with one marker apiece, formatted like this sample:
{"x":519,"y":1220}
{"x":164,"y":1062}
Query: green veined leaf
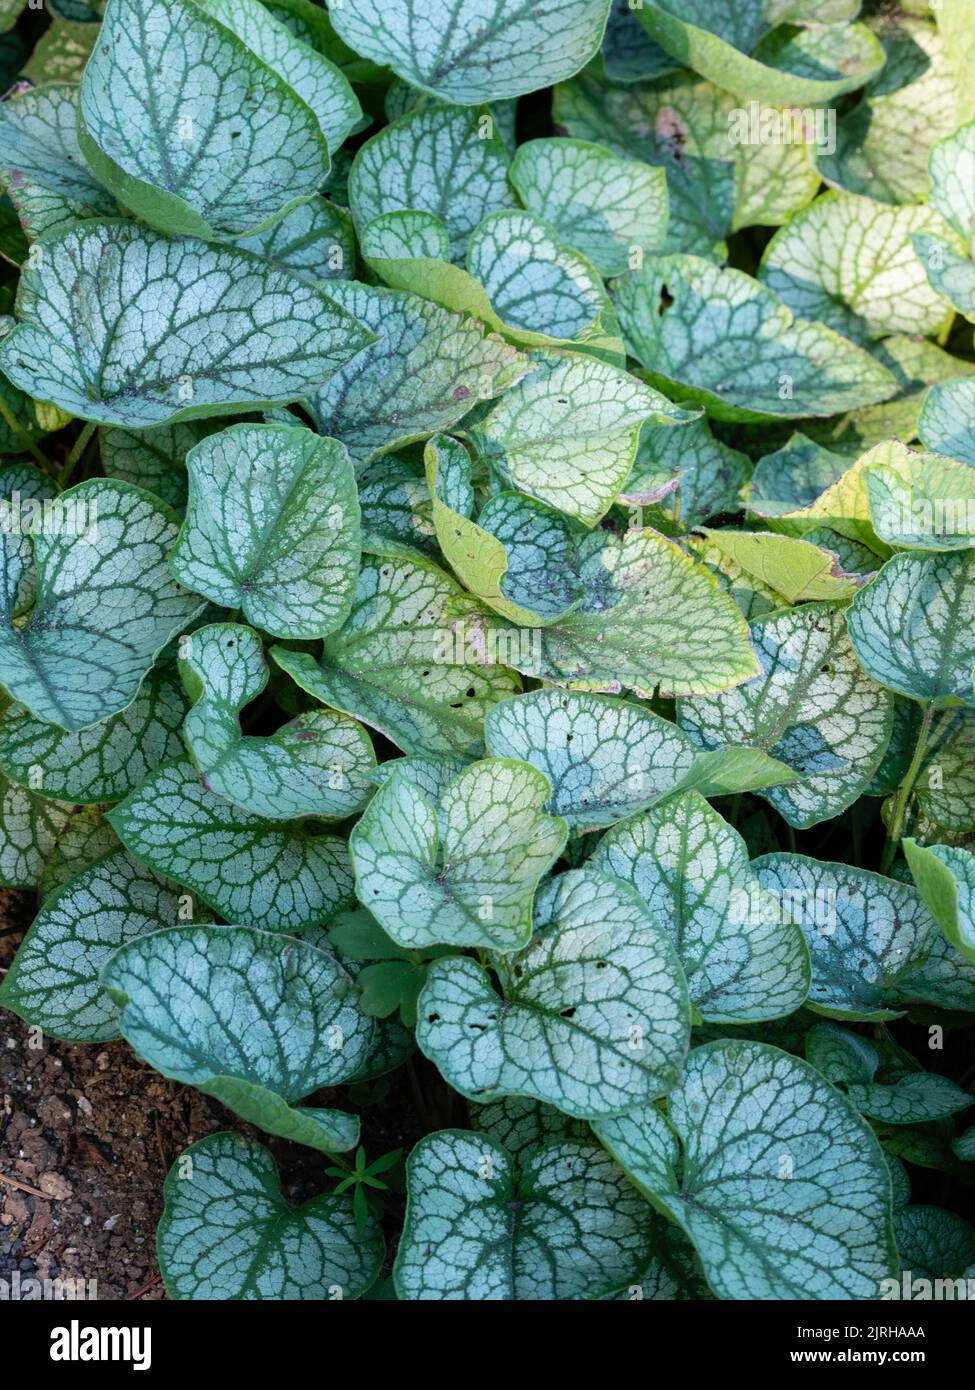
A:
{"x":780,"y":1185}
{"x":947,"y":422}
{"x":648,"y":617}
{"x":849,"y":263}
{"x":880,"y":147}
{"x":599,"y":204}
{"x":316,"y":765}
{"x":560,"y":1222}
{"x":518,"y":549}
{"x":720,"y":339}
{"x":933,"y":1244}
{"x":227,"y":1233}
{"x":964,"y":1145}
{"x":536,"y":284}
{"x":628,"y":52}
{"x":106,"y":605}
{"x":24,"y":493}
{"x":920,"y":501}
{"x":221,"y":148}
{"x":945,"y":980}
{"x":607,"y":759}
{"x":61,"y":52}
{"x":85,"y":838}
{"x":863,"y":931}
{"x":952,"y":169}
{"x":396,"y":509}
{"x":152,"y":459}
{"x":425,"y":370}
{"x":280,"y":878}
{"x":103,"y":762}
{"x":951,"y":275}
{"x":272,"y":528}
{"x":793,"y":477}
{"x":567,"y":432}
{"x":30,"y":827}
{"x":739,"y":49}
{"x":913,"y":627}
{"x":54,"y":981}
{"x":709,"y":476}
{"x":315,"y":242}
{"x":682,"y":124}
{"x":477,"y":50}
{"x":945,"y":877}
{"x":42,"y":167}
{"x":463,"y":872}
{"x":852,"y":1064}
{"x":674,"y":1273}
{"x":320,"y":84}
{"x":594,"y":1015}
{"x":251,"y":1018}
{"x":742,"y":951}
{"x":796,"y":569}
{"x":399,"y":667}
{"x":448,"y":161}
{"x":812,"y":707}
{"x":519,"y":1124}
{"x":124,"y":326}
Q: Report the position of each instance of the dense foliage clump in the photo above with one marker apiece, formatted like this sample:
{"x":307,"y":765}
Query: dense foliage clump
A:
{"x":488,"y":536}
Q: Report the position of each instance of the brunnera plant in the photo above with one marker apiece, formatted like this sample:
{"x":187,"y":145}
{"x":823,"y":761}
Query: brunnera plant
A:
{"x":488,"y":568}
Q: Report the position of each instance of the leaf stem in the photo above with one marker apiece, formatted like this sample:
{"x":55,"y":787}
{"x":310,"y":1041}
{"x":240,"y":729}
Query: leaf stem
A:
{"x":79,"y":447}
{"x":12,"y":423}
{"x":895,"y":828}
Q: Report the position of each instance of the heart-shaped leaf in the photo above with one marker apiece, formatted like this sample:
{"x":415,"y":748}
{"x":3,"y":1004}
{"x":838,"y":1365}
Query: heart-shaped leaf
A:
{"x":682,"y":124}
{"x":849,"y":262}
{"x":739,"y":48}
{"x":743,"y":955}
{"x":426,"y":370}
{"x":920,"y":501}
{"x":720,"y":339}
{"x":648,"y":617}
{"x":101,"y":763}
{"x":952,"y":169}
{"x":124,"y":326}
{"x":601,"y":205}
{"x":400,"y":667}
{"x":812,"y":707}
{"x":863,"y":931}
{"x":316,"y":765}
{"x":263,"y":1020}
{"x":227,"y":1233}
{"x":54,"y":980}
{"x":947,"y":421}
{"x":945,"y":876}
{"x":780,"y":1185}
{"x":279,"y":877}
{"x":222,"y":146}
{"x":477,"y":50}
{"x":559,"y":1222}
{"x":106,"y":605}
{"x":272,"y":528}
{"x":594,"y":1016}
{"x":448,"y":161}
{"x":537,"y":284}
{"x":462,"y":872}
{"x":567,"y":432}
{"x":320,"y":84}
{"x":913,"y":627}
{"x":41,"y":166}
{"x":607,"y":759}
